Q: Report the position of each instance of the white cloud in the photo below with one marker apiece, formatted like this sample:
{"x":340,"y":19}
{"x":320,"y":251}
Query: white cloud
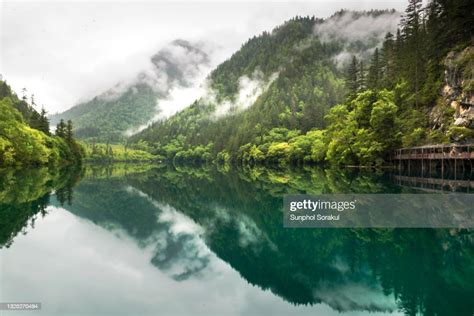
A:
{"x":67,"y":51}
{"x":352,"y":27}
{"x":178,"y":94}
{"x":250,"y":88}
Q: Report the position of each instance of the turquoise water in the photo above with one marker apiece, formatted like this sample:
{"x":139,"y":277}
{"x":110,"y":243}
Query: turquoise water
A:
{"x":140,"y":240}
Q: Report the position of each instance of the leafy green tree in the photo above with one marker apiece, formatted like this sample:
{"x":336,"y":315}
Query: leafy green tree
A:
{"x":366,"y":133}
{"x":278,"y":152}
{"x":319,"y":145}
{"x":22,"y":145}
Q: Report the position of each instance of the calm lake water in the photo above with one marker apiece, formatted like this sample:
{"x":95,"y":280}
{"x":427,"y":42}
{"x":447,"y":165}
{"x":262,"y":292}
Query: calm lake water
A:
{"x":141,"y":240}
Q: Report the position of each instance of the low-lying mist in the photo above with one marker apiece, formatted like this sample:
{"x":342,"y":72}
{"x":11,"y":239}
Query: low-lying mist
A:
{"x":358,"y":32}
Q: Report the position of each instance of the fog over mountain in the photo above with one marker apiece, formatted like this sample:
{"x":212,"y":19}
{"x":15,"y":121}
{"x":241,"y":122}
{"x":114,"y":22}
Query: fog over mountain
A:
{"x":74,"y":51}
{"x":172,"y":78}
{"x":121,"y":77}
{"x":359,"y":32}
{"x":178,"y":75}
{"x":176,"y":64}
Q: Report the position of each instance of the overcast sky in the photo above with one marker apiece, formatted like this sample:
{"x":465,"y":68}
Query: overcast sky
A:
{"x":65,"y":52}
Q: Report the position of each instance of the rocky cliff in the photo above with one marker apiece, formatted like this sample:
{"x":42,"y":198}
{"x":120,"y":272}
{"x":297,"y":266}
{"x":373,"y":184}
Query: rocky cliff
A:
{"x":454,"y":113}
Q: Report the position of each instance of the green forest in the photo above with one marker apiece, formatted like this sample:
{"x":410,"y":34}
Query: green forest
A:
{"x":414,"y":88}
{"x":105,"y":119}
{"x":113,"y":114}
{"x":25,"y":138}
{"x":406,"y":94}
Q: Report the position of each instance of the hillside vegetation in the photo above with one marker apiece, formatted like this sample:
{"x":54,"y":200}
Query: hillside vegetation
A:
{"x":25,"y":138}
{"x":307,"y":107}
{"x":131,"y":103}
{"x":97,"y":152}
{"x":106,"y":119}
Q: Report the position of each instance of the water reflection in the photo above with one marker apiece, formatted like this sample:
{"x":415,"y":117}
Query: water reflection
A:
{"x":25,"y":194}
{"x":192,"y":223}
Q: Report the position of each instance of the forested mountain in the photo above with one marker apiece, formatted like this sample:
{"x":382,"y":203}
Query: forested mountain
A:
{"x":25,"y":138}
{"x":348,"y":89}
{"x":287,"y":78}
{"x":128,"y":105}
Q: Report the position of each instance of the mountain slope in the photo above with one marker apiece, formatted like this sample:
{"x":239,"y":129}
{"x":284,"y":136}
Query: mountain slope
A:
{"x":25,"y":138}
{"x":344,"y":90}
{"x":288,"y":78}
{"x":128,"y":105}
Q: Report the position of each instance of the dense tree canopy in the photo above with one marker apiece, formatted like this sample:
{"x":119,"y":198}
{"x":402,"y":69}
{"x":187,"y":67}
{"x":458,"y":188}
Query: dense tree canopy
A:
{"x":314,"y":110}
{"x":105,"y":119}
{"x":25,"y":138}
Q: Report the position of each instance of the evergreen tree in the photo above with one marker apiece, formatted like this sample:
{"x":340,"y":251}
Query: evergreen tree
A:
{"x":68,"y":133}
{"x":412,"y":35}
{"x":44,"y":122}
{"x":361,"y":77}
{"x":33,"y":101}
{"x":451,"y":23}
{"x":23,"y":94}
{"x":61,"y":129}
{"x":352,"y":77}
{"x":373,"y":77}
{"x":411,"y":21}
{"x":387,"y":62}
{"x":398,"y":52}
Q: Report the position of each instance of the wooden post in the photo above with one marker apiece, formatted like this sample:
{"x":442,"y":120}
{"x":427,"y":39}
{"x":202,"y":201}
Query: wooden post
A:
{"x":400,"y":160}
{"x":422,"y":165}
{"x":429,"y":161}
{"x":409,"y":160}
{"x":455,"y":167}
{"x":442,"y":166}
{"x":470,"y":160}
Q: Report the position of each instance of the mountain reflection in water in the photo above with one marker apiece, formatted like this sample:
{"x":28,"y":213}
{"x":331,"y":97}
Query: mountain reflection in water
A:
{"x":199,"y":226}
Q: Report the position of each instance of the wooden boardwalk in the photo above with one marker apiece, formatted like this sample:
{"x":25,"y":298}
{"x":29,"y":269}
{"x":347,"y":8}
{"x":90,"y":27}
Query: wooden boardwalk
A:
{"x":435,"y":157}
{"x":436,"y":152}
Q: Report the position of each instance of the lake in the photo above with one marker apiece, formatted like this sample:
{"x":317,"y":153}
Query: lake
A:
{"x":162,"y":240}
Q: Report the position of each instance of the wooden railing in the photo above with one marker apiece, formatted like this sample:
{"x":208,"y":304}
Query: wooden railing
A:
{"x":435,"y":152}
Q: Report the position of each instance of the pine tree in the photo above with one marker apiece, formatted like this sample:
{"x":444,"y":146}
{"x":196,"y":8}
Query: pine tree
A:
{"x":352,"y":77}
{"x":61,"y":129}
{"x":69,"y":134}
{"x":373,"y":77}
{"x":451,"y":23}
{"x":411,"y":21}
{"x":44,"y":122}
{"x":23,"y":94}
{"x":361,"y":77}
{"x":387,"y":62}
{"x":412,"y":36}
{"x":33,"y":101}
{"x":398,"y":53}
